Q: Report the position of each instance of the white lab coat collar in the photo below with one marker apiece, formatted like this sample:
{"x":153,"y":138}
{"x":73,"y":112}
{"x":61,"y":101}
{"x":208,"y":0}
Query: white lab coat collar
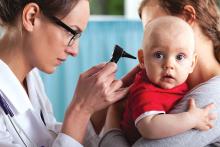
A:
{"x":14,"y":92}
{"x":26,"y":117}
{"x":32,"y":91}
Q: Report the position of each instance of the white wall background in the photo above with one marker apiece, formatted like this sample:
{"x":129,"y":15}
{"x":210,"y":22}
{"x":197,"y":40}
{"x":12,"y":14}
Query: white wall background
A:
{"x":131,"y":8}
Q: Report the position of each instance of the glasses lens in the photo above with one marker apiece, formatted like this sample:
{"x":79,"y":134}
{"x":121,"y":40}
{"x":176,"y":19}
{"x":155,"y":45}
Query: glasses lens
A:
{"x":74,"y":38}
{"x":71,"y":41}
{"x":75,"y":34}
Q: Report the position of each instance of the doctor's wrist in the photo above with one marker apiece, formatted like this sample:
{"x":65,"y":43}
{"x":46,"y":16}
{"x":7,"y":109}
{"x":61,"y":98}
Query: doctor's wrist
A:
{"x":75,"y":123}
{"x":79,"y":109}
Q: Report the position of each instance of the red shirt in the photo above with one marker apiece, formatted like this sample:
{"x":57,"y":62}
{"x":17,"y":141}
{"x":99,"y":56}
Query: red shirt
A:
{"x":146,"y":99}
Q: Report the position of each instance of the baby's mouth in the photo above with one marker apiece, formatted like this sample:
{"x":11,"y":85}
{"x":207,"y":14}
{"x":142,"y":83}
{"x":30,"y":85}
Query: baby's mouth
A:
{"x":168,"y":77}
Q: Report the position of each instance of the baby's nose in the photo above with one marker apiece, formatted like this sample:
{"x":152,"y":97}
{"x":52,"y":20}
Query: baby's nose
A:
{"x":168,"y":64}
{"x":168,"y":67}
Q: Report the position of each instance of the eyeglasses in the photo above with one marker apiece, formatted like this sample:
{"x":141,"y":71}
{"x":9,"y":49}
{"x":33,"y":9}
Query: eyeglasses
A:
{"x":76,"y":34}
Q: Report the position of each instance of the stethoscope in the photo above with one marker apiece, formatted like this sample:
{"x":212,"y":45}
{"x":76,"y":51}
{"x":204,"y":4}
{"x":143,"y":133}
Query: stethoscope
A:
{"x":8,"y":112}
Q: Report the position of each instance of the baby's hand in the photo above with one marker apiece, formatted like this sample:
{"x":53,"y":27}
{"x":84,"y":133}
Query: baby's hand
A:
{"x":202,"y":117}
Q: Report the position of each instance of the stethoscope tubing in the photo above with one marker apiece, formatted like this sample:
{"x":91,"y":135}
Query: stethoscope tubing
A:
{"x":9,"y":114}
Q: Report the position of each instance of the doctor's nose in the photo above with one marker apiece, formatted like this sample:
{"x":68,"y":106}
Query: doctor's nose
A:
{"x":73,"y":50}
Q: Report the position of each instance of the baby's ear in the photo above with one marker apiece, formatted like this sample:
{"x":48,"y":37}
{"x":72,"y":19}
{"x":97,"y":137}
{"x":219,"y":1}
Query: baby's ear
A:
{"x":194,"y":61}
{"x":141,"y":58}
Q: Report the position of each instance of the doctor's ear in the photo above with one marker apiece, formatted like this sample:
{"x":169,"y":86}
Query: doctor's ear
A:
{"x":29,"y":16}
{"x":141,"y":58}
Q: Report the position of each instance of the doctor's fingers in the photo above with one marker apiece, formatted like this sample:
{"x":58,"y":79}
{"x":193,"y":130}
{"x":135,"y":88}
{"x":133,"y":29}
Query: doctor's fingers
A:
{"x":108,"y":80}
{"x":115,"y":85}
{"x":103,"y":78}
{"x":93,"y":70}
{"x":107,"y":100}
{"x":118,"y":95}
{"x":107,"y":70}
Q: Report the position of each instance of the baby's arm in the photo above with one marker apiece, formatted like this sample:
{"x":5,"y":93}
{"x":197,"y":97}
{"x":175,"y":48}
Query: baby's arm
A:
{"x":165,"y":125}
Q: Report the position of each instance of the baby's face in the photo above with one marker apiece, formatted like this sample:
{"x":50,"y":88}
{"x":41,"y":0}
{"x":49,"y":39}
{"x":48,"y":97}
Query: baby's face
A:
{"x":168,"y":57}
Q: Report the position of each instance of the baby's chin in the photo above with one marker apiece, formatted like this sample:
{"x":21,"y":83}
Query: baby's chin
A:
{"x":167,"y":86}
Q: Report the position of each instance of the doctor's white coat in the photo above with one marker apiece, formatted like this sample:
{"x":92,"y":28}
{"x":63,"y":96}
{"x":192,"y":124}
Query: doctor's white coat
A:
{"x":30,"y":130}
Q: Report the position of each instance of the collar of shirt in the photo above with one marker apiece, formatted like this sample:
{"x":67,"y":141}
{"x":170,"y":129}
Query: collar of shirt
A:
{"x":12,"y":90}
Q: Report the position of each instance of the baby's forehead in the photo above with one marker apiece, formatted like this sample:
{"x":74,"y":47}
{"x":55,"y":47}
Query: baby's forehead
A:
{"x":168,"y":24}
{"x":170,"y":29}
{"x":162,"y":32}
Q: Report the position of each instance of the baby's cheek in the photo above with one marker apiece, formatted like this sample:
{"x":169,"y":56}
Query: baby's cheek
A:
{"x":183,"y":76}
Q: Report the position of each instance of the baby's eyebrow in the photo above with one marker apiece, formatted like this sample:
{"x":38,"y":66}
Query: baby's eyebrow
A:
{"x":156,"y":49}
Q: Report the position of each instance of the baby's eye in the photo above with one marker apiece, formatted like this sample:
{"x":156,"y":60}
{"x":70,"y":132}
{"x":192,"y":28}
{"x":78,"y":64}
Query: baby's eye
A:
{"x":180,"y":57}
{"x":158,"y":55}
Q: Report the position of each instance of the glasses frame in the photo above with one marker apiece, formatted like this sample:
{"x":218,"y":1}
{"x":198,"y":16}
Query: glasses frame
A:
{"x":76,"y":34}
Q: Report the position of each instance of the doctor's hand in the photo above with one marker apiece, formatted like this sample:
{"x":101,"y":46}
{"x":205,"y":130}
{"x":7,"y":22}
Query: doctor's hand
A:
{"x":97,"y":88}
{"x":98,"y":119}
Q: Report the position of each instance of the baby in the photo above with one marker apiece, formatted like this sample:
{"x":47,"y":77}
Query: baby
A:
{"x":167,"y":58}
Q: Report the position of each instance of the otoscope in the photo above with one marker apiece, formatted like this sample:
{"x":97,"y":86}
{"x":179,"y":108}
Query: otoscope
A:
{"x":118,"y":53}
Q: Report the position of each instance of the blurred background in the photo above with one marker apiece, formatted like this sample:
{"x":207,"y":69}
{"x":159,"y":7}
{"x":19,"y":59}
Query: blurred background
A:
{"x":112,"y":22}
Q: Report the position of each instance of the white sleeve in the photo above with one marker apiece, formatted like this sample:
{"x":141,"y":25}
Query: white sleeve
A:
{"x":6,"y":139}
{"x":91,"y":139}
{"x":63,"y":140}
{"x":9,"y":137}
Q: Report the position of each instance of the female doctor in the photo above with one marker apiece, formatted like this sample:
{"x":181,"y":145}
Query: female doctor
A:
{"x":40,"y":34}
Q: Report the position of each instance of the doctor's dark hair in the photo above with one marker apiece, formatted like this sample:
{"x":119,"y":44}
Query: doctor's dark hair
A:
{"x":207,"y":16}
{"x":11,"y":9}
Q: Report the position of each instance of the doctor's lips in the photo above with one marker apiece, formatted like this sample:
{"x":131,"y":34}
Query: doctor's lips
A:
{"x":118,"y":53}
{"x":60,"y":60}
